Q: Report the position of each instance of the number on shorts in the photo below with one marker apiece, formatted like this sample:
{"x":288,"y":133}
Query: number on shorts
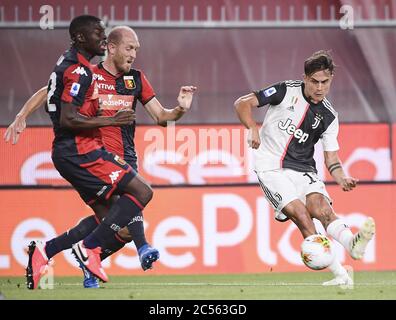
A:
{"x":311,"y":179}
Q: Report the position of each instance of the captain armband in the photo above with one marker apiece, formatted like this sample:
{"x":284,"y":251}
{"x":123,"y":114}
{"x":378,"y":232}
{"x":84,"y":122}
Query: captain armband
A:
{"x":334,"y":166}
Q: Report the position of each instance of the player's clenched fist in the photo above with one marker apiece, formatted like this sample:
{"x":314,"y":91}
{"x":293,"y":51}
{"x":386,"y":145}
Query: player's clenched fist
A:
{"x":254,"y":138}
{"x":185,"y":97}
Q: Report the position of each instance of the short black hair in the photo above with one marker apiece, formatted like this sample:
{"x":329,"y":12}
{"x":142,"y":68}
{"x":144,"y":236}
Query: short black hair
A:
{"x":80,"y":24}
{"x":320,"y":60}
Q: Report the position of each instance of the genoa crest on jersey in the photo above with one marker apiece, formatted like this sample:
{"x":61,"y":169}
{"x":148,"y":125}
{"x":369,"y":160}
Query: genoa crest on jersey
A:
{"x":129,"y":82}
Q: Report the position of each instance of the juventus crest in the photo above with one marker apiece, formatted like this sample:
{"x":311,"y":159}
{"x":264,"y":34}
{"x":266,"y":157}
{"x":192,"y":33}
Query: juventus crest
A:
{"x":317,"y":119}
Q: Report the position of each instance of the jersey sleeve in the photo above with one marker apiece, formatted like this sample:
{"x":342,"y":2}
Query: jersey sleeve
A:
{"x":147,"y":92}
{"x":329,"y":137}
{"x":76,"y":81}
{"x":272,"y":95}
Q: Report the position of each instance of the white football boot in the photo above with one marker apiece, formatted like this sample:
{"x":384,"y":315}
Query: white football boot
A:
{"x":361,"y":239}
{"x":344,"y":280}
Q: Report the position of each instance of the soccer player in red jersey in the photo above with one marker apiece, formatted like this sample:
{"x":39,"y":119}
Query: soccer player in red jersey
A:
{"x":111,"y":75}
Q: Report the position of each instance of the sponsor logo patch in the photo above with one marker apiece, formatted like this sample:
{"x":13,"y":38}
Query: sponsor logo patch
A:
{"x":81,"y":71}
{"x":100,"y":192}
{"x":269,"y":92}
{"x":75,"y":88}
{"x":120,"y":160}
{"x":98,"y":77}
{"x":105,"y":86}
{"x":115,"y":101}
{"x":114,"y":176}
{"x":291,"y":129}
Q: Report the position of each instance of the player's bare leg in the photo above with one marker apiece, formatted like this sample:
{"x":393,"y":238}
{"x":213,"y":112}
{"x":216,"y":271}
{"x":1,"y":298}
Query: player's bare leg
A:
{"x":320,"y":209}
{"x":298,"y":213}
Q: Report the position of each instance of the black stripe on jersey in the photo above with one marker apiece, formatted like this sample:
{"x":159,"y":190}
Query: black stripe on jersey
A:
{"x":328,"y":105}
{"x":274,"y":98}
{"x":85,"y":83}
{"x":299,"y":154}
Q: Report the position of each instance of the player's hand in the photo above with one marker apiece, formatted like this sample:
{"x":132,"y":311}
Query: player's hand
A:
{"x":254,"y":138}
{"x":348,"y":183}
{"x":124,"y":117}
{"x":185,"y":97}
{"x":15,"y":129}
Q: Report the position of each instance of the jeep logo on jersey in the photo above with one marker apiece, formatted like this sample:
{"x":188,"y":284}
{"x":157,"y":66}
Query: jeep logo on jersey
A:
{"x":115,"y":101}
{"x":81,"y":71}
{"x":292,"y":130}
{"x":129,"y":82}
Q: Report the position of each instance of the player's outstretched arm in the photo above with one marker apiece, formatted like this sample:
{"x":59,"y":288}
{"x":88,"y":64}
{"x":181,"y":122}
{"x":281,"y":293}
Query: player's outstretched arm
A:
{"x":333,"y":164}
{"x":243,"y":106}
{"x":70,"y":118}
{"x":19,"y":124}
{"x":162,"y":115}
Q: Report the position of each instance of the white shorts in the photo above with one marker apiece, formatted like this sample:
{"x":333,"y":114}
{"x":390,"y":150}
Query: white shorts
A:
{"x":282,"y":186}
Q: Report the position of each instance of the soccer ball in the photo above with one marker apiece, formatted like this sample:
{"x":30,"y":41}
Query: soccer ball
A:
{"x":317,"y":252}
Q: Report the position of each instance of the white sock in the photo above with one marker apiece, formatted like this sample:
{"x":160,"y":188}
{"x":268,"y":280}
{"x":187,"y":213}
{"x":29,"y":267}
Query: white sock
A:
{"x":339,"y":231}
{"x":337,"y":269}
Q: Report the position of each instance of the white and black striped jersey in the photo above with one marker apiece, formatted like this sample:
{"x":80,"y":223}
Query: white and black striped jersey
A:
{"x":291,"y":128}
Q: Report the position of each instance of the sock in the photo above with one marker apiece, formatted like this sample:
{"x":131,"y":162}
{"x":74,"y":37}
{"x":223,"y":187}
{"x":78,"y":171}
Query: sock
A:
{"x":70,"y":237}
{"x":136,"y":230}
{"x":126,"y":209}
{"x":337,"y":269}
{"x":339,"y":231}
{"x":112,"y":245}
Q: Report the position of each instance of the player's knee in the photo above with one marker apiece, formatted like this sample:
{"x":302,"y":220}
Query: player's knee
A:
{"x":325,"y":216}
{"x":125,"y":235}
{"x":149,"y":194}
{"x":145,"y":195}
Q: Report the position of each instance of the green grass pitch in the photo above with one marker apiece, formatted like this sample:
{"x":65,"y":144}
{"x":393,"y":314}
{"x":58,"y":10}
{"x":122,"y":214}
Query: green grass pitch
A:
{"x":285,"y":286}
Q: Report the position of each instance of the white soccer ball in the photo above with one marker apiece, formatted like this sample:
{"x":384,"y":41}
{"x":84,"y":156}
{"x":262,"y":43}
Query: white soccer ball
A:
{"x":317,"y":252}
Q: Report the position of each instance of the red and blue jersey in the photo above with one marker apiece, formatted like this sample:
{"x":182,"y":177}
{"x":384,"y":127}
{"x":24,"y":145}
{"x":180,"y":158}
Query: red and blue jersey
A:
{"x":72,"y":81}
{"x":117,"y":92}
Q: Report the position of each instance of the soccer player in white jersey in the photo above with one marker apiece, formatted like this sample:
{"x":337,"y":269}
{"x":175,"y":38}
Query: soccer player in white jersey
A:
{"x":299,"y":115}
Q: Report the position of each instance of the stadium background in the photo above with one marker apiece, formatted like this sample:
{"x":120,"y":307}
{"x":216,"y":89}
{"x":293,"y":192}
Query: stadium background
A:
{"x":207,"y":218}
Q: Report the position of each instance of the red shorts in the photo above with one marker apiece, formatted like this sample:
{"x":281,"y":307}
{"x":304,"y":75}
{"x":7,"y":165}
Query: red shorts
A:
{"x":95,"y":175}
